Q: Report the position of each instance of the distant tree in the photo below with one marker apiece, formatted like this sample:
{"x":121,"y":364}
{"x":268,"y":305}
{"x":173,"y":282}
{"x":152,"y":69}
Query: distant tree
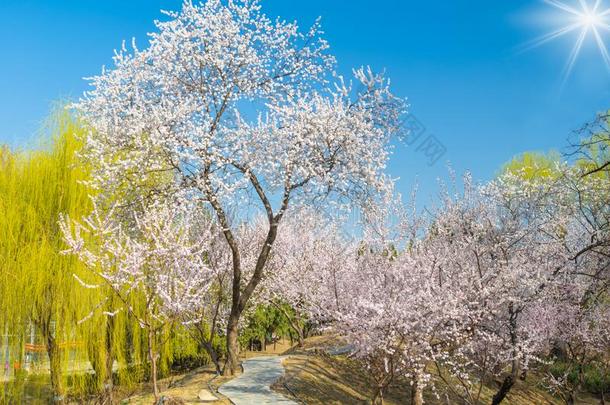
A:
{"x":530,"y":165}
{"x":591,"y":146}
{"x":308,"y":247}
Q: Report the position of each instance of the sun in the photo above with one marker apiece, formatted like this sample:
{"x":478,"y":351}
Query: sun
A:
{"x":591,"y":19}
{"x":588,"y":20}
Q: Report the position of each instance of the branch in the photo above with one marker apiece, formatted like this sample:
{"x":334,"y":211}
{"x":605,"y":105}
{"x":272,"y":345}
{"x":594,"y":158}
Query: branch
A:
{"x":597,"y":169}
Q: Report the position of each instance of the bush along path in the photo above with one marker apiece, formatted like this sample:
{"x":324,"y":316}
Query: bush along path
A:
{"x":253,"y":386}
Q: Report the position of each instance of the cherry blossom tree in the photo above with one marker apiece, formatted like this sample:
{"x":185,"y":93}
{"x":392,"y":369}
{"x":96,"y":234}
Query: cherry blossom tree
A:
{"x":245,"y":114}
{"x":500,"y":240}
{"x":372,"y":295}
{"x":159,"y":258}
{"x":215,"y":305}
{"x":449,"y":298}
{"x":573,"y":317}
{"x":580,"y":327}
{"x":310,"y":249}
{"x":540,"y":241}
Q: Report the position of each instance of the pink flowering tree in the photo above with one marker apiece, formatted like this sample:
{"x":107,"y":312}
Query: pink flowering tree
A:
{"x":372,"y":293}
{"x":246,"y":115}
{"x":573,"y":317}
{"x":310,"y":249}
{"x":498,"y":240}
{"x":539,"y":248}
{"x":158,"y":259}
{"x":446,"y":301}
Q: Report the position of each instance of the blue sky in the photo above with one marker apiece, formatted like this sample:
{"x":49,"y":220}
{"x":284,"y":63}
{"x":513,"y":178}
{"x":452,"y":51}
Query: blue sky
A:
{"x":455,"y":60}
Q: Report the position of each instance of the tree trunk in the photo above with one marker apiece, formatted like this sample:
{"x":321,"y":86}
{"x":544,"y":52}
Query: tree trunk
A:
{"x":207,"y":339}
{"x":507,"y":384}
{"x":509,"y":380}
{"x":54,"y":354}
{"x":209,"y":348}
{"x":232,"y":363}
{"x":571,"y":398}
{"x":378,"y":397}
{"x":109,"y":384}
{"x":152,"y":356}
{"x":573,"y":395}
{"x":240,"y":298}
{"x":294,"y":324}
{"x":417,"y":392}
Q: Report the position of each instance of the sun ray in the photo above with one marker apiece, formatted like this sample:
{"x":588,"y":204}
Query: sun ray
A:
{"x":562,"y":6}
{"x":602,"y":47}
{"x":589,"y":17}
{"x":574,"y":54}
{"x":584,"y":6}
{"x":605,"y":27}
{"x":549,"y":37}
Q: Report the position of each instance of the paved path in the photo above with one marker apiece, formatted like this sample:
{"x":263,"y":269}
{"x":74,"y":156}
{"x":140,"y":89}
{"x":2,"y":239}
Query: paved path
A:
{"x":253,"y":385}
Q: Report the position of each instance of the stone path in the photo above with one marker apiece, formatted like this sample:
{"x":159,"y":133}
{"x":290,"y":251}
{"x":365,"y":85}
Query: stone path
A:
{"x":253,"y":385}
{"x":337,"y":351}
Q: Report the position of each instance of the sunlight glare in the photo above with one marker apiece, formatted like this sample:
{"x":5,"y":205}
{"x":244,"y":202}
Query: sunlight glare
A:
{"x":588,"y":20}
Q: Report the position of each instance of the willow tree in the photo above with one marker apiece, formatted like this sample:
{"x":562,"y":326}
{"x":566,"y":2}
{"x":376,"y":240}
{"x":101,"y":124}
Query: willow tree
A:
{"x":535,"y":165}
{"x":39,"y":290}
{"x":44,"y":292}
{"x":37,"y":282}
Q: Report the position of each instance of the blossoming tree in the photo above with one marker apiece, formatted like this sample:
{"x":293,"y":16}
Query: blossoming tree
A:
{"x":239,"y":109}
{"x":159,"y":259}
{"x":310,"y":249}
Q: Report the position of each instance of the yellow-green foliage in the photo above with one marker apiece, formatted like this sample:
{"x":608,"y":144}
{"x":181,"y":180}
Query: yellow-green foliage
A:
{"x":37,"y":283}
{"x":34,"y":188}
{"x":37,"y":287}
{"x":534,"y":165}
{"x":595,"y":153}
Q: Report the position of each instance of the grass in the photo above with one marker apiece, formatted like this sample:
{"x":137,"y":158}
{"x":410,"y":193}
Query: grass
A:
{"x":318,"y":379}
{"x":312,"y":377}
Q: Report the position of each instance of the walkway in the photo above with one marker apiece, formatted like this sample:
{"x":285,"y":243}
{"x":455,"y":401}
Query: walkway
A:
{"x":253,"y":385}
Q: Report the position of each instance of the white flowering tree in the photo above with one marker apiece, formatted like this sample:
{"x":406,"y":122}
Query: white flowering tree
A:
{"x":493,"y":241}
{"x":240,"y":111}
{"x":158,"y":259}
{"x":310,"y":248}
{"x":398,"y":308}
{"x":448,"y":301}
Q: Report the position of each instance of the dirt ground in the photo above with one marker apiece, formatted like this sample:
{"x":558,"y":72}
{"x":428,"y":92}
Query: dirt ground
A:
{"x":312,"y":377}
{"x":315,"y":378}
{"x":187,"y":387}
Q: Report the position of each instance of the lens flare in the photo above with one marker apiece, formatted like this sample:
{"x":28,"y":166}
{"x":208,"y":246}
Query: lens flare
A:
{"x":586,"y":21}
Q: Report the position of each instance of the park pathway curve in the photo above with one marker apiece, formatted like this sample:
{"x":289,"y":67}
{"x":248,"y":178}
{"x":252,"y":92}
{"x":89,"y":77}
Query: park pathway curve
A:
{"x":253,"y":386}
